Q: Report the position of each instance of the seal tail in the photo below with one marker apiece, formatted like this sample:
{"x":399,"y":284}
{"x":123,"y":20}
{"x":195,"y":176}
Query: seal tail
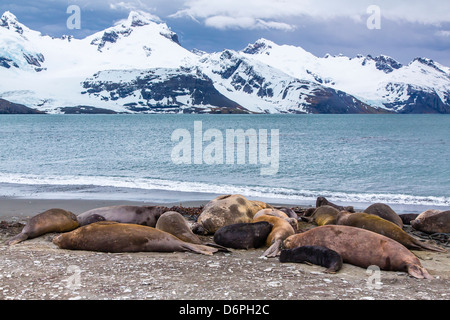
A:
{"x":17,"y":239}
{"x":274,"y":250}
{"x":418,"y":272}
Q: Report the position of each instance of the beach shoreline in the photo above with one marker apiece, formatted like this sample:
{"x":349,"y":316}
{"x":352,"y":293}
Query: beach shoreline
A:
{"x":38,"y":269}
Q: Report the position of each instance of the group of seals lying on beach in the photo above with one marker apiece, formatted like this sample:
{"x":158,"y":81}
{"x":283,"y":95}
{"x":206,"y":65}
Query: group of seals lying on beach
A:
{"x":372,"y":237}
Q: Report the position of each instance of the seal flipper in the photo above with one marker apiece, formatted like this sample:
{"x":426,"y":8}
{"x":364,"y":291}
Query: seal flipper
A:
{"x":17,"y":239}
{"x":418,"y":272}
{"x":425,"y":246}
{"x":217,"y":246}
{"x":198,"y":248}
{"x":274,"y":250}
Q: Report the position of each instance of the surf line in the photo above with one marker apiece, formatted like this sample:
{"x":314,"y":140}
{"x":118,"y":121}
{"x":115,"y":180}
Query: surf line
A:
{"x":229,"y":148}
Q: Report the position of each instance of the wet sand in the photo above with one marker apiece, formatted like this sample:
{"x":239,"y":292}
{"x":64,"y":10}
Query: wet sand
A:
{"x":38,"y":269}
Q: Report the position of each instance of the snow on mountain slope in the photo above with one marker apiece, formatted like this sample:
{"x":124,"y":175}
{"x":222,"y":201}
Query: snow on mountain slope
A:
{"x":264,"y":89}
{"x":138,"y":65}
{"x":380,"y":81}
{"x":135,"y":43}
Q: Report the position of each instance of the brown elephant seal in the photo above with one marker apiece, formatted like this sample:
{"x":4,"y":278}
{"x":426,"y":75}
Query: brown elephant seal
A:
{"x":243,"y":235}
{"x":361,"y":248}
{"x":143,"y":215}
{"x":277,"y":213}
{"x":324,"y":215}
{"x":109,"y":236}
{"x":53,"y":220}
{"x":281,"y":230}
{"x":438,"y":222}
{"x":228,"y":209}
{"x":317,"y":255}
{"x":321,"y":201}
{"x":384,"y":211}
{"x":175,"y":224}
{"x":386,"y":228}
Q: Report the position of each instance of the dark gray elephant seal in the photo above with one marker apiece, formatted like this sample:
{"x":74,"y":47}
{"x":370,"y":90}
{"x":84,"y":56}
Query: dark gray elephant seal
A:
{"x":433,"y":223}
{"x":175,"y":224}
{"x":143,"y":215}
{"x":317,"y":255}
{"x":53,"y":220}
{"x":243,"y":235}
{"x":384,"y":211}
{"x":408,"y":217}
{"x":321,"y":201}
{"x":109,"y":236}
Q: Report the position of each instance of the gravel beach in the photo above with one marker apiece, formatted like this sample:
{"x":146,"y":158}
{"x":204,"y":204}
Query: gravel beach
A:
{"x":38,"y":270}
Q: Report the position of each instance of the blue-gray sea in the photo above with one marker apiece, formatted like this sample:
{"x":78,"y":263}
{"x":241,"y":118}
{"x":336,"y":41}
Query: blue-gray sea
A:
{"x":402,"y":160}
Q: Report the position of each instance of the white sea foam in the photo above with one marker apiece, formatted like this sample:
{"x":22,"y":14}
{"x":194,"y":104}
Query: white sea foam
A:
{"x":275,"y":193}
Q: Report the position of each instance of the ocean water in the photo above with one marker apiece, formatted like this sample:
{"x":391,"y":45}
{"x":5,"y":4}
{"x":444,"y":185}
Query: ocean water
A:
{"x":402,"y":160}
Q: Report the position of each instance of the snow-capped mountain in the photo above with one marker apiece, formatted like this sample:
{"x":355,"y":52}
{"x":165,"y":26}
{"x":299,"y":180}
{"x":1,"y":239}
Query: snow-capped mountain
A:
{"x":139,"y":66}
{"x":421,"y":86}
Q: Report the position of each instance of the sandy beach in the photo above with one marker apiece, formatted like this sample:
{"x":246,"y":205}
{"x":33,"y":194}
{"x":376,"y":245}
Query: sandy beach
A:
{"x":38,"y":269}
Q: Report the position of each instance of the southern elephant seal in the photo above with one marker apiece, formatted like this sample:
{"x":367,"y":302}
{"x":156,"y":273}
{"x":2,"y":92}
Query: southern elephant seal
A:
{"x":175,"y":224}
{"x":384,"y":211}
{"x":438,"y":222}
{"x":317,"y":255}
{"x":324,"y":215}
{"x":53,"y":220}
{"x":228,"y":209}
{"x":386,"y":228}
{"x":408,"y":217}
{"x":279,"y":214}
{"x":321,"y":201}
{"x":361,"y":248}
{"x":281,"y":230}
{"x":243,"y":235}
{"x":109,"y":236}
{"x":143,"y":215}
{"x":291,"y":213}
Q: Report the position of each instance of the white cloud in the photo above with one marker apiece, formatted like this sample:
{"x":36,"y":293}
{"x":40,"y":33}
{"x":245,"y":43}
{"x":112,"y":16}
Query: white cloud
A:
{"x":225,"y":22}
{"x":261,"y":14}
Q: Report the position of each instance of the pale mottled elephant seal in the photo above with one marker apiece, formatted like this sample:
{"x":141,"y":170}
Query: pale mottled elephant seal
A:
{"x":280,"y":231}
{"x":53,"y":220}
{"x":438,"y":222}
{"x":109,"y":236}
{"x":386,"y":228}
{"x":384,"y":211}
{"x":317,"y":255}
{"x":361,"y":248}
{"x":324,"y":215}
{"x":228,"y":209}
{"x":321,"y":201}
{"x":243,"y":235}
{"x":175,"y":224}
{"x":143,"y":215}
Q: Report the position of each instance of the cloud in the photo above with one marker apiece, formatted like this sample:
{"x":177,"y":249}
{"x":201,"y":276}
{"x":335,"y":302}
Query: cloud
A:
{"x":225,"y":22}
{"x":263,"y":14}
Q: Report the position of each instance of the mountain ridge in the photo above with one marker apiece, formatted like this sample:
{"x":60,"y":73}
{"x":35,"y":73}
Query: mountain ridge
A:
{"x":139,"y":66}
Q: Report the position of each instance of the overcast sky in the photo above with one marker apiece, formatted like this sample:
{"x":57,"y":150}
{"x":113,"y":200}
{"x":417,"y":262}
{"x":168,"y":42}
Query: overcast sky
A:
{"x":408,"y":28}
